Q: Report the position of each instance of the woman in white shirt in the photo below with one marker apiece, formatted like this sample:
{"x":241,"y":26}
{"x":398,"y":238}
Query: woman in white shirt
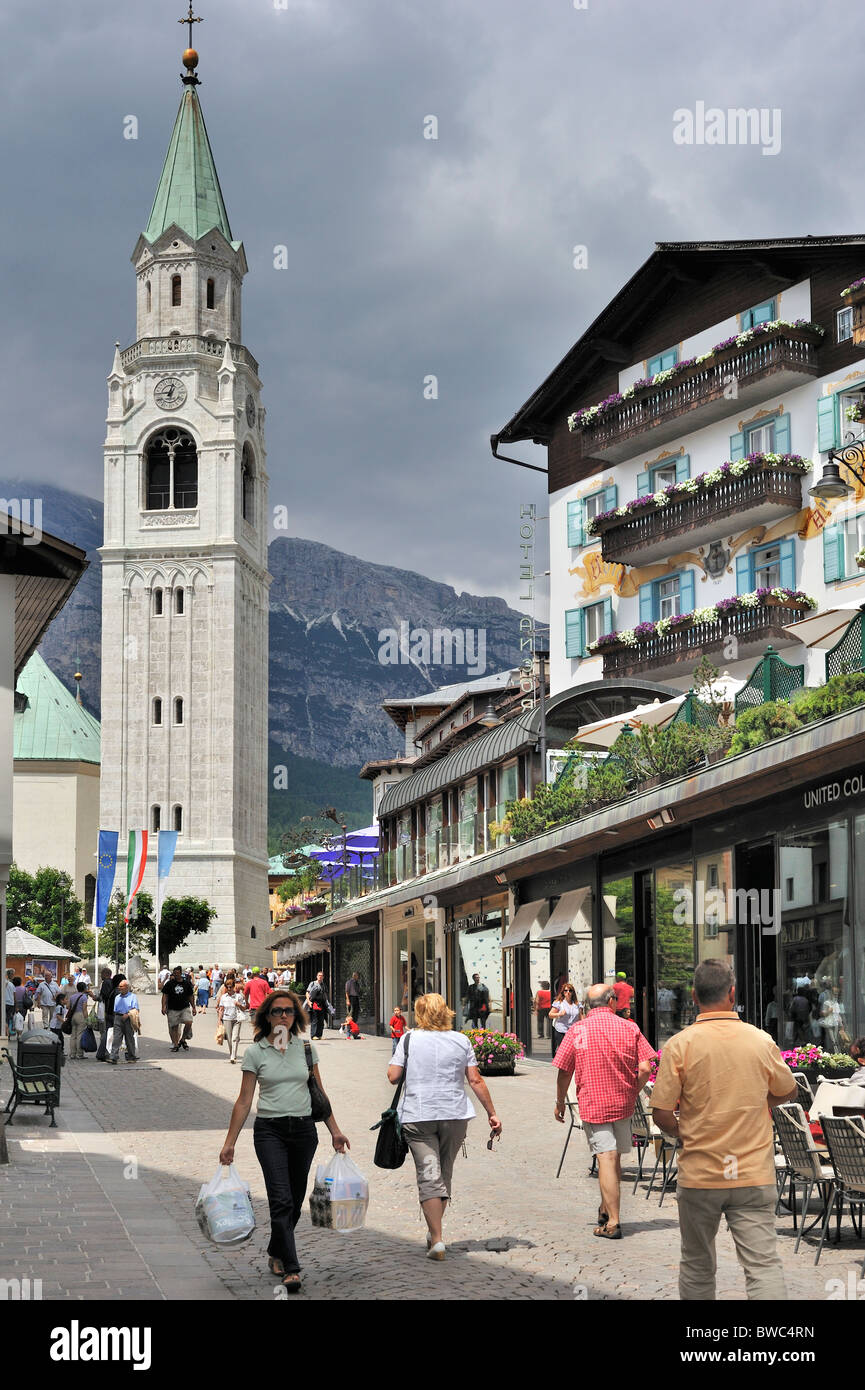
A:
{"x":565,"y":1010}
{"x":434,"y":1109}
{"x":231,"y":1012}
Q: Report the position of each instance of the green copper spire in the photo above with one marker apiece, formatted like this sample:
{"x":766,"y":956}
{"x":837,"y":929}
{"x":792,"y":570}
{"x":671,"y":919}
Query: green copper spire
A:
{"x":188,"y":193}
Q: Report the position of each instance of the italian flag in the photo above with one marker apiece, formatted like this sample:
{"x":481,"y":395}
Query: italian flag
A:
{"x":135,"y":862}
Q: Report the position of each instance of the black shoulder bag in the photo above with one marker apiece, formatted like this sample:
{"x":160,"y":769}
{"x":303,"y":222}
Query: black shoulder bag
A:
{"x":321,"y":1107}
{"x":391,"y":1146}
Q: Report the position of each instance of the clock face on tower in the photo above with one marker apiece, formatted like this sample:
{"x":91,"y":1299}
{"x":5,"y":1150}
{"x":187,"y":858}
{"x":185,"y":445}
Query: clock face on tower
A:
{"x":169,"y":393}
{"x":250,"y":411}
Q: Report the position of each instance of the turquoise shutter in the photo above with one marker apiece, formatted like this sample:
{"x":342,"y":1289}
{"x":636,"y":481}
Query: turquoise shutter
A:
{"x":737,"y":446}
{"x":644,"y":484}
{"x":788,"y":564}
{"x":782,"y":434}
{"x":575,"y":523}
{"x":827,"y":424}
{"x":744,"y":581}
{"x":686,"y":591}
{"x":574,"y":632}
{"x":608,"y":615}
{"x":611,"y":498}
{"x":647,"y":603}
{"x":683,"y":468}
{"x":833,"y":554}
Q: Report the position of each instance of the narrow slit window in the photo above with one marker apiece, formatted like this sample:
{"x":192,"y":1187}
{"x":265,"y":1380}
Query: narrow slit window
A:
{"x":178,"y":819}
{"x":155,"y":818}
{"x":148,"y":295}
{"x":179,"y":601}
{"x":157,"y":711}
{"x":178,"y":710}
{"x":175,"y":291}
{"x":211,"y":294}
{"x":157,"y":603}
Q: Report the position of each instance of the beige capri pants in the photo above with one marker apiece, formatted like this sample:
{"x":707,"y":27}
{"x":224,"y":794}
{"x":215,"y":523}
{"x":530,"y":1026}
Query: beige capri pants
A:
{"x":434,"y":1145}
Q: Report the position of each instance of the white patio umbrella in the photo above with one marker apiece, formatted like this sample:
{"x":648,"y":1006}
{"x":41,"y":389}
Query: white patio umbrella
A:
{"x":604,"y":732}
{"x":826,"y":628}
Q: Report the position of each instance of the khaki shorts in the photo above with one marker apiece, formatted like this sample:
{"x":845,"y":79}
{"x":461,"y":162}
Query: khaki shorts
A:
{"x":605,"y":1139}
{"x":176,"y":1017}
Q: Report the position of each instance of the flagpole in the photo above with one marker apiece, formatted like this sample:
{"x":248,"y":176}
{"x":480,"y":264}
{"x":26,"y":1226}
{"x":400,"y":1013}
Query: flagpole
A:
{"x":158,"y":901}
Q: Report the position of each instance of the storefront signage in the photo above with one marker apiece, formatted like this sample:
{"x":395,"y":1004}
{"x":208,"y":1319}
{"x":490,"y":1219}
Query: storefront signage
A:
{"x":824,"y":795}
{"x":473,"y":921}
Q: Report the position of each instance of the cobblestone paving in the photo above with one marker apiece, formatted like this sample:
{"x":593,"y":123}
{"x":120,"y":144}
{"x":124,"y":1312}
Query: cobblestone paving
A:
{"x":102,"y":1206}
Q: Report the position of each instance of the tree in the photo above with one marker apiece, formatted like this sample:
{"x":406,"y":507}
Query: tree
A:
{"x":141,"y":925}
{"x":45,"y":904}
{"x":181,"y":918}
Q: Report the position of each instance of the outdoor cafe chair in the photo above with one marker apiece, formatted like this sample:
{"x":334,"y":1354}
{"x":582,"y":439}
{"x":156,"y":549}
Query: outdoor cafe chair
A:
{"x":666,"y":1148}
{"x":576,"y":1123}
{"x":33,"y":1087}
{"x":845,"y":1140}
{"x":805,"y":1095}
{"x":644,"y":1132}
{"x":802,"y":1163}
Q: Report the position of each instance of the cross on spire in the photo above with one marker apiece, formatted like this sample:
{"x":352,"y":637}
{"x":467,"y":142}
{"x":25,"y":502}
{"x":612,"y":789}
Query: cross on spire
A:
{"x":190,"y":19}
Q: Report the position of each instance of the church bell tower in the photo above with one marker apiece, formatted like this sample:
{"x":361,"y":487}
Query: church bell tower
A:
{"x":184,"y":561}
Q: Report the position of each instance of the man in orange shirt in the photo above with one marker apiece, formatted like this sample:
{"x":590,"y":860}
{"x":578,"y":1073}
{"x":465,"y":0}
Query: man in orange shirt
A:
{"x":724,"y":1075}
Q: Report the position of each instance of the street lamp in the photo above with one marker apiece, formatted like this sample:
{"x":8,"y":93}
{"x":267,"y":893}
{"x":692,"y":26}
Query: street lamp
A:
{"x":832,"y":486}
{"x":489,"y":718}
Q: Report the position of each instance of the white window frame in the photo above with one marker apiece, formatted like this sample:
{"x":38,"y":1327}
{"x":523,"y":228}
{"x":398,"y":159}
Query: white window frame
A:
{"x":754,"y":431}
{"x":670,"y":604}
{"x":844,"y":324}
{"x":760,"y":566}
{"x":589,"y":635}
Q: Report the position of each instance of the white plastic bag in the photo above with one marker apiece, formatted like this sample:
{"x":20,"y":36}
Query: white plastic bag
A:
{"x":340,"y":1197}
{"x":18,"y":1022}
{"x":224,"y":1208}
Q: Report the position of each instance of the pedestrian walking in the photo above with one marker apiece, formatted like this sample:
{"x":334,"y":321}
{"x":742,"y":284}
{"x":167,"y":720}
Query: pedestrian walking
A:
{"x":125,"y":1002}
{"x":9,"y":1003}
{"x":162,"y":978}
{"x":564,"y":1012}
{"x":724,"y":1076}
{"x":231,"y":1011}
{"x":77,"y":1013}
{"x":59,"y":1018}
{"x":624,"y":996}
{"x":284,"y":1133}
{"x":104,"y":1015}
{"x":256,"y":991}
{"x":397,"y":1026}
{"x":203,"y":987}
{"x":434,"y":1109}
{"x":541,"y":1006}
{"x":318,"y":1004}
{"x":45,"y":998}
{"x":178,"y":1006}
{"x":352,"y":995}
{"x":610,"y":1062}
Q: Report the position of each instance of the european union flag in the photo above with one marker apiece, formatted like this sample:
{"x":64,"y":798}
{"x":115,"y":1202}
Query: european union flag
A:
{"x":107,"y":861}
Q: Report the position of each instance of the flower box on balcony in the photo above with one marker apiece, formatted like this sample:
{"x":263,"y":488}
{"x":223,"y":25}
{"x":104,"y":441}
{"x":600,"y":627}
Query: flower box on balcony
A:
{"x":699,"y":387}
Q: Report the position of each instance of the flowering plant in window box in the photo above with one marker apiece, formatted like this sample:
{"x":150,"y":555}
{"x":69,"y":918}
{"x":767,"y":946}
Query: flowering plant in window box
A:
{"x":856,"y":412}
{"x":860,"y":558}
{"x":857,"y":285}
{"x":771,"y":598}
{"x":496,"y":1053}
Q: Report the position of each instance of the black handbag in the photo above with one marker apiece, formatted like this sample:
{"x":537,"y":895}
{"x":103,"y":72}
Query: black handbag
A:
{"x":321,"y":1107}
{"x":391,"y":1146}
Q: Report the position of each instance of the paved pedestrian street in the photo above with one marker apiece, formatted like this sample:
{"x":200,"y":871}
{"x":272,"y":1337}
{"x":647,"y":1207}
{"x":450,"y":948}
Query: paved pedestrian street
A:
{"x":102,"y":1206}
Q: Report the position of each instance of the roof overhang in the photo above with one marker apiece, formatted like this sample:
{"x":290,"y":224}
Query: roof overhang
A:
{"x":46,"y":570}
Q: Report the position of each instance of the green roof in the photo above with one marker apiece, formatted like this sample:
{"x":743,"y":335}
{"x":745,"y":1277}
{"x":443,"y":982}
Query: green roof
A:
{"x":188,"y":195}
{"x":53,"y":727}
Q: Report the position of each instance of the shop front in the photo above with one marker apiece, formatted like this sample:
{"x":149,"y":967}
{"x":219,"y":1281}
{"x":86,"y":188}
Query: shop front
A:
{"x":355,"y":951}
{"x":413,"y":966}
{"x":548,"y":944}
{"x":473,"y":931}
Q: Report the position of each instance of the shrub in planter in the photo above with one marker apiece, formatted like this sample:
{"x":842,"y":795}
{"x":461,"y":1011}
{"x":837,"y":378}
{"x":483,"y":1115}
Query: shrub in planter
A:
{"x":755,"y":727}
{"x":496,"y":1053}
{"x":838,"y":694}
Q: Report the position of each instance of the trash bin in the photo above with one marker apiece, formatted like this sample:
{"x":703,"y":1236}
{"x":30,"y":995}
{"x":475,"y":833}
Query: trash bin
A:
{"x":40,"y":1050}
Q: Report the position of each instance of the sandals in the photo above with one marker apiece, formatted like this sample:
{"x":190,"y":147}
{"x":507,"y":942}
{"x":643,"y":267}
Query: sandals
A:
{"x":291,"y":1283}
{"x":275,"y":1266}
{"x":607,"y":1232}
{"x":603,"y":1218}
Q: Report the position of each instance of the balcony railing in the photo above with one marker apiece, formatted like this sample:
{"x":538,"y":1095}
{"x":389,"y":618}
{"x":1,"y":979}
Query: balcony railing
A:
{"x":757,"y":497}
{"x":703,"y":392}
{"x":664,"y":655}
{"x":184,"y":345}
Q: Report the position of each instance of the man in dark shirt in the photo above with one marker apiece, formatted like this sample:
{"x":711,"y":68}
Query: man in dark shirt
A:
{"x":352,"y":995}
{"x":178,"y":1005}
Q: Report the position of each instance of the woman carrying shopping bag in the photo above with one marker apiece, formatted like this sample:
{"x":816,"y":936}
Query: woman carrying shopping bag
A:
{"x":284,"y":1134}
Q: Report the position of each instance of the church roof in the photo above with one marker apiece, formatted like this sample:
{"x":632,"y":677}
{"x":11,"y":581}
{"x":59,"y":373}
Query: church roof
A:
{"x":53,"y":727}
{"x":188,"y":195}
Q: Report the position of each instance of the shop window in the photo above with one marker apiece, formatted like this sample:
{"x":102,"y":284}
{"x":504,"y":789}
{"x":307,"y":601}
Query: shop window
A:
{"x":815,"y":951}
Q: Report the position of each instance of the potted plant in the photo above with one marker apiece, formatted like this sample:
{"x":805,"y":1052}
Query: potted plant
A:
{"x":814,"y":1061}
{"x":497,"y":1053}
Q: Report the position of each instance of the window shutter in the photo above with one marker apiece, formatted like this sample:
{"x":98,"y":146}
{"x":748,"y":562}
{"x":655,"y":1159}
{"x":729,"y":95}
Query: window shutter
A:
{"x":782,"y":434}
{"x":608,"y":615}
{"x":573,"y":632}
{"x":644,"y":484}
{"x":833,"y":554}
{"x":686,"y":591}
{"x":737,"y":446}
{"x":827,"y":424}
{"x":788,"y":564}
{"x":647,"y":603}
{"x":683,"y":468}
{"x":611,"y":498}
{"x":744,"y":581}
{"x":575,"y":523}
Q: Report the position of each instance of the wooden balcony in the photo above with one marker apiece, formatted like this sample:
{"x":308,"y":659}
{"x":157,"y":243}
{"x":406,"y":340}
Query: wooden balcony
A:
{"x":679,"y":650}
{"x":757,"y":498}
{"x":771,"y":363}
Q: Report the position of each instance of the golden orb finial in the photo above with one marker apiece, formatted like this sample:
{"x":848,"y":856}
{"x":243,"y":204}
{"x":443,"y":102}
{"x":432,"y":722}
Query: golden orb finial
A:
{"x":190,"y":59}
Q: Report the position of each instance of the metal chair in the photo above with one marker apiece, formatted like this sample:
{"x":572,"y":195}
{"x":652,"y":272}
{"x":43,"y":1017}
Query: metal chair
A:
{"x":665,"y":1147}
{"x":576,"y":1123}
{"x":802,"y":1162}
{"x":34,"y":1087}
{"x":845,"y":1140}
{"x":643,"y":1133}
{"x":805,"y":1095}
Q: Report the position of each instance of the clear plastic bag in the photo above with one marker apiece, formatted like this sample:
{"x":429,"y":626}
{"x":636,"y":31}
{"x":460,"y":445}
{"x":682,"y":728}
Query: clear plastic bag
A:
{"x":340,"y":1196}
{"x":224,"y":1208}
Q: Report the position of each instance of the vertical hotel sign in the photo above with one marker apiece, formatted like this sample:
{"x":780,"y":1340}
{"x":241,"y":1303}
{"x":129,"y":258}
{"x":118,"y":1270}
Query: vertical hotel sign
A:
{"x":527,"y":594}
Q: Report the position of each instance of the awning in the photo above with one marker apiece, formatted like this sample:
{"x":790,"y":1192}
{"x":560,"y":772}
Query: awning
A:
{"x":528,"y":918}
{"x":823,"y":629}
{"x":568,"y":916}
{"x":296,"y":950}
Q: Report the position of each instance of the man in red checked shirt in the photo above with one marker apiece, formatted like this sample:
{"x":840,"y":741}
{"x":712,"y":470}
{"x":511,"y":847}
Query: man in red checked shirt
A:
{"x":256,"y":990}
{"x":610,"y":1062}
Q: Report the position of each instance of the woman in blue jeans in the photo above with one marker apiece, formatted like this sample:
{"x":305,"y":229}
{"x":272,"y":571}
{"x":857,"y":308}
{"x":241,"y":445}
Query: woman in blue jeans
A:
{"x":284,"y":1134}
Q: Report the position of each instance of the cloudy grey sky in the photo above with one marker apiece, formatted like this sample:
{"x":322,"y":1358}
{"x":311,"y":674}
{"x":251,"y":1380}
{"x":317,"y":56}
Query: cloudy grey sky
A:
{"x":408,"y":256}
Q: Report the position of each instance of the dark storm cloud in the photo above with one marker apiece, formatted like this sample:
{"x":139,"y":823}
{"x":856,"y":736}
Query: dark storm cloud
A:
{"x":407,"y":257}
